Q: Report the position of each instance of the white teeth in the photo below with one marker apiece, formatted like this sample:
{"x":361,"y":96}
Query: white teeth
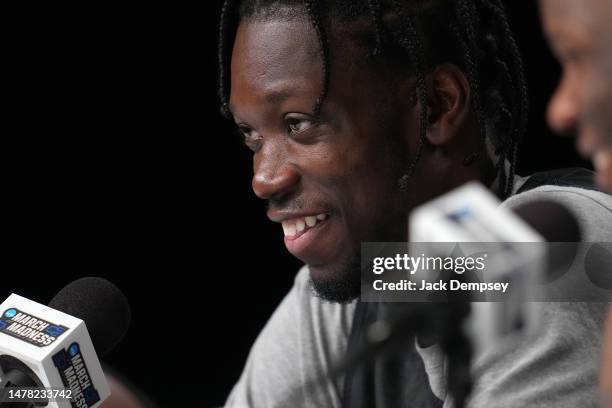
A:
{"x":288,"y":228}
{"x":601,"y":159}
{"x":300,"y":225}
{"x":311,"y":221}
{"x":292,"y":227}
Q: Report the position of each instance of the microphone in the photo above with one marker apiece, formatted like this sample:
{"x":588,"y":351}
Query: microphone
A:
{"x":551,"y":220}
{"x":101,"y":305}
{"x":473,"y":217}
{"x":472,"y":214}
{"x":51,"y":350}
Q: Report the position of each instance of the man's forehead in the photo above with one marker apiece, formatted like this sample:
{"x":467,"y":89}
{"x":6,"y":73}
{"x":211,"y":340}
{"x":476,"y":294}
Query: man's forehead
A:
{"x":273,"y":61}
{"x":268,"y":47}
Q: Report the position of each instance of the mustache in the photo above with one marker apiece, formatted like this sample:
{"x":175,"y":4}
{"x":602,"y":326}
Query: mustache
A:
{"x":287,"y":204}
{"x":295,"y":204}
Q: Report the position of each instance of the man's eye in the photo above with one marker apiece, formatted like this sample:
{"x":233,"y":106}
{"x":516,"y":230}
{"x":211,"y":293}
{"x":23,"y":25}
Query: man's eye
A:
{"x":244,"y":131}
{"x":251,"y":138}
{"x":299,"y":125}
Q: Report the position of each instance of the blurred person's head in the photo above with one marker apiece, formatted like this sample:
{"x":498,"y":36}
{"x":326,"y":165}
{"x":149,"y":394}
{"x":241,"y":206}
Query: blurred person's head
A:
{"x":357,"y":111}
{"x":580,"y":33}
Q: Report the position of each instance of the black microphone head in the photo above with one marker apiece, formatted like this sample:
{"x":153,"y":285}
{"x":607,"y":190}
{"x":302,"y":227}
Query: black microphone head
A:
{"x":101,"y":305}
{"x":551,"y":220}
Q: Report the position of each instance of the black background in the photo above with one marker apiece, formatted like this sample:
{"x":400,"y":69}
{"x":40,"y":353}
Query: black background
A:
{"x":117,"y":164}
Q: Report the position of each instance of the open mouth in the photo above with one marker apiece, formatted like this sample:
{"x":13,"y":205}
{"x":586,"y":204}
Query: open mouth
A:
{"x":600,"y":153}
{"x":602,"y":158}
{"x":310,"y":238}
{"x":602,"y":162}
{"x":296,"y":227}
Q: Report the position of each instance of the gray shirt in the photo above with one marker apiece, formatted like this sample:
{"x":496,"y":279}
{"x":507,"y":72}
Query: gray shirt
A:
{"x":556,"y":367}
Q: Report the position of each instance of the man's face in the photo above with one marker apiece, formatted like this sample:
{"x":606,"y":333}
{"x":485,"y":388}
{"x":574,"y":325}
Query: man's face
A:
{"x":330,"y":179}
{"x":580,"y":33}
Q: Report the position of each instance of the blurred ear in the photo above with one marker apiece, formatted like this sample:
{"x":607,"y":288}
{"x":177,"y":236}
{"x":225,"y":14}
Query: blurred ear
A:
{"x":449,"y":103}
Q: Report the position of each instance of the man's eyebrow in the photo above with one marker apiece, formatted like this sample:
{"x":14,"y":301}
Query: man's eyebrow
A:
{"x":279,"y":95}
{"x":271,"y":96}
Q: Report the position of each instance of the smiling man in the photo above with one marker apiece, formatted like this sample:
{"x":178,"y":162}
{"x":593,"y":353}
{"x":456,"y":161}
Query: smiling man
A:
{"x":337,"y":136}
{"x":356,"y":112}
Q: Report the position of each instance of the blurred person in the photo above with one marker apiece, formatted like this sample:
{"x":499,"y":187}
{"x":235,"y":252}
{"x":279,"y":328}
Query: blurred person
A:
{"x":580,"y":33}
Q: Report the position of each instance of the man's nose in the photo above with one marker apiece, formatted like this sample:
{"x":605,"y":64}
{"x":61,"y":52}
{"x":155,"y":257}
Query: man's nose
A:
{"x":274,"y":174}
{"x":562,"y":110}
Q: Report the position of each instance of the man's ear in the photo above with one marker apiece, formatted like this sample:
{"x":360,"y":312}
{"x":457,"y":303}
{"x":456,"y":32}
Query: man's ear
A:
{"x":449,"y":103}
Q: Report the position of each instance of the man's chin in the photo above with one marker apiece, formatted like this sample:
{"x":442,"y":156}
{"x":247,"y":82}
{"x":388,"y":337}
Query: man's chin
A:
{"x":339,"y":284}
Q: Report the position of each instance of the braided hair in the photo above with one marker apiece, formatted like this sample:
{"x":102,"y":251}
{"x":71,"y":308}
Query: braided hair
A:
{"x":473,"y":34}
